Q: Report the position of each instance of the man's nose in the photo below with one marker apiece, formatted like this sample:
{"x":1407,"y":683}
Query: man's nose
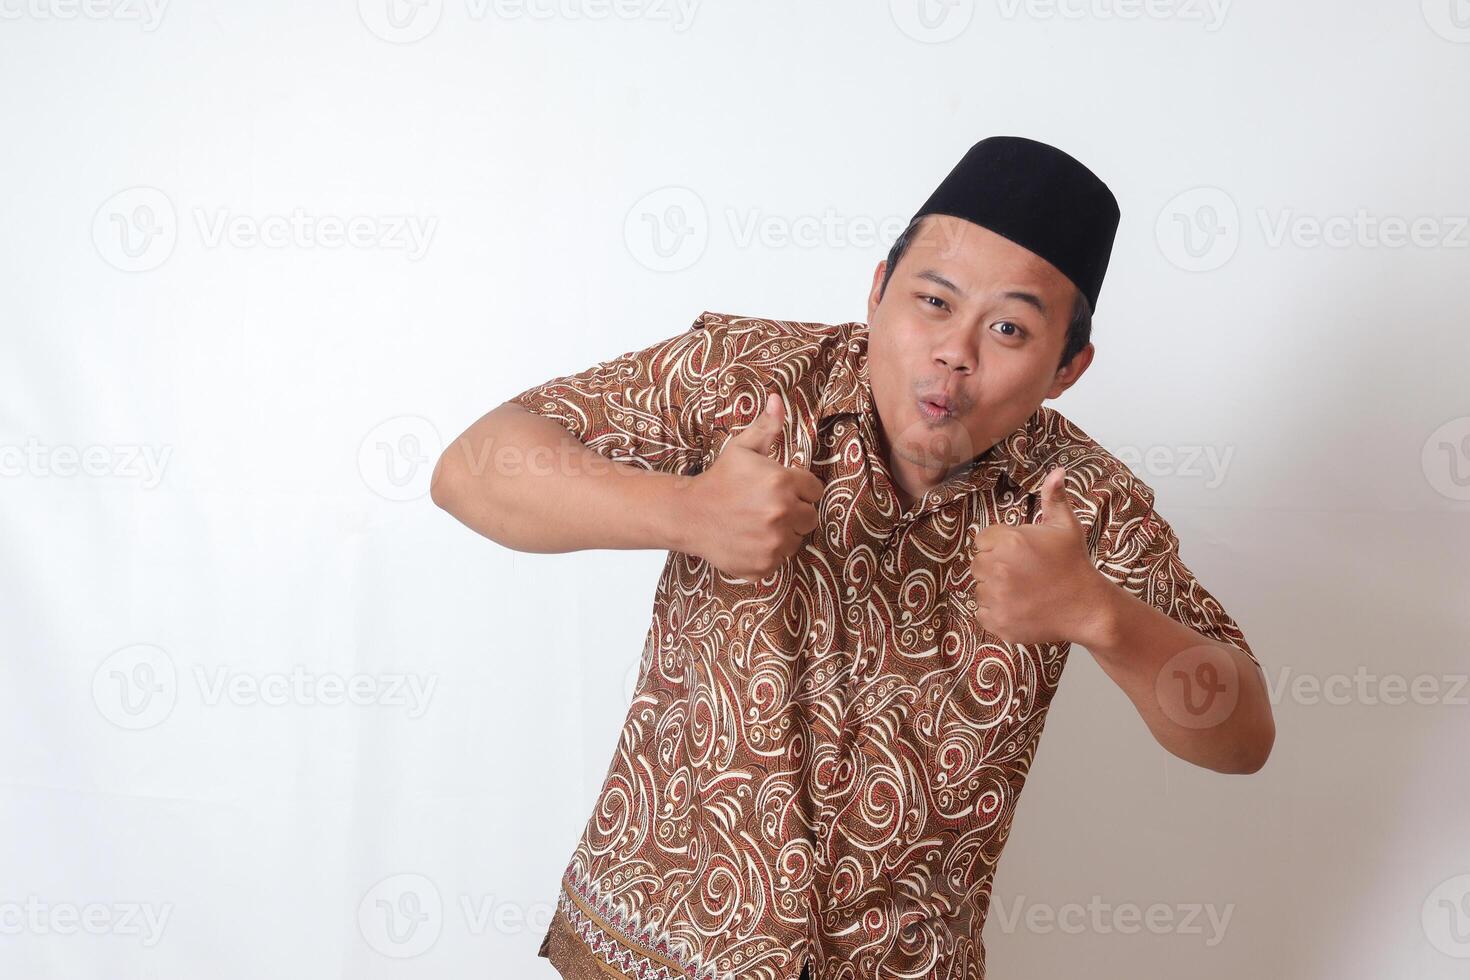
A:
{"x":955,"y":359}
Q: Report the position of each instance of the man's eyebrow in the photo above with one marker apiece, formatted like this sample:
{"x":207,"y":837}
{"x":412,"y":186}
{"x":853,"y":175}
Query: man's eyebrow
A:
{"x":1026,"y":297}
{"x":935,"y":277}
{"x":1017,"y":294}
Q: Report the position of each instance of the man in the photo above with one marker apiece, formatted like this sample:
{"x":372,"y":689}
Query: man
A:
{"x":881,"y":547}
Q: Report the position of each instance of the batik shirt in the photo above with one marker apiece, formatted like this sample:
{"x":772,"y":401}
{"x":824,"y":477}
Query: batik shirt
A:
{"x":821,"y":766}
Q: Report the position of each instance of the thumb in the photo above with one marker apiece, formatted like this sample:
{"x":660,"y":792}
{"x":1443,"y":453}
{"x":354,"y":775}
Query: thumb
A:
{"x":1056,"y":509}
{"x":765,"y":429}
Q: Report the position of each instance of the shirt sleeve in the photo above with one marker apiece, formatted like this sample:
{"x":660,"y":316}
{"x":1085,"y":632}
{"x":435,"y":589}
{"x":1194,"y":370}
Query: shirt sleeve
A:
{"x":648,"y":408}
{"x":1143,"y":558}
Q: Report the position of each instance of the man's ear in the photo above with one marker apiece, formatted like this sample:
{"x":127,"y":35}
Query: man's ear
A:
{"x":874,"y":293}
{"x":1068,"y":373}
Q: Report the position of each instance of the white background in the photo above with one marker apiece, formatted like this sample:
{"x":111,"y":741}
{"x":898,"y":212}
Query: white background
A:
{"x":216,"y":450}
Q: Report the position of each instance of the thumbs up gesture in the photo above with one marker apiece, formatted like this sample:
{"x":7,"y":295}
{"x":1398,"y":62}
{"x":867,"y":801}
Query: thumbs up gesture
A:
{"x":751,"y":513}
{"x":1036,"y":582}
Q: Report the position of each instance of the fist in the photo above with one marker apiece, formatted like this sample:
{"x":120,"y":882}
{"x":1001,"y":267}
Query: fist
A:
{"x":1036,"y":583}
{"x":752,"y":513}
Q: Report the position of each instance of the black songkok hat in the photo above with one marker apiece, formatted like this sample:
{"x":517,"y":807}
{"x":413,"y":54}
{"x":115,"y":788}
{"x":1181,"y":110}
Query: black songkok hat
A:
{"x":1039,"y":198}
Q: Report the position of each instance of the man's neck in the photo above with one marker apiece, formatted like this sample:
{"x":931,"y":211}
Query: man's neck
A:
{"x":910,"y":480}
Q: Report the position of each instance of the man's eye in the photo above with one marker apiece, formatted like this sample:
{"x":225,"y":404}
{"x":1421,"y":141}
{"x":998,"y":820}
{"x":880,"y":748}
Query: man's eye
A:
{"x":942,"y":304}
{"x":1014,"y":331}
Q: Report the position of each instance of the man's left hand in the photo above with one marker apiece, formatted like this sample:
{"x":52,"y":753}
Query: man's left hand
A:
{"x":1036,"y":582}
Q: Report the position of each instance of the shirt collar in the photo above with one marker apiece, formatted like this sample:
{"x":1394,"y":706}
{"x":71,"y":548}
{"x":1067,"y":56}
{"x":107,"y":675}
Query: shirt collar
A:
{"x":1019,"y":456}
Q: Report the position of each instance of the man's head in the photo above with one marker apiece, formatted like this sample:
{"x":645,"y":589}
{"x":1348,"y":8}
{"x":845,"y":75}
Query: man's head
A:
{"x":961,"y":314}
{"x":1079,"y":327}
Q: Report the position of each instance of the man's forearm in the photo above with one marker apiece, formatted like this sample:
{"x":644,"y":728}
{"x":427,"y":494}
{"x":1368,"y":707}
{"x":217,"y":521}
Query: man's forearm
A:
{"x":1204,"y":701}
{"x":527,"y":483}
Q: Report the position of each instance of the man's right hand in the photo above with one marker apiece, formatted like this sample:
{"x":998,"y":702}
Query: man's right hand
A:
{"x":749,"y":512}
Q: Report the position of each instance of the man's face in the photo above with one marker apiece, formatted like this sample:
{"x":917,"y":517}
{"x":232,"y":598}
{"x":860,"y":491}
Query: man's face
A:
{"x":976,"y":322}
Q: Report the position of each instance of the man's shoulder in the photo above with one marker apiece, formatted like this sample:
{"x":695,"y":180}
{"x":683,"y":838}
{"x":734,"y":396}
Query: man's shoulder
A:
{"x":752,"y":332}
{"x":809,"y":362}
{"x":791,"y":355}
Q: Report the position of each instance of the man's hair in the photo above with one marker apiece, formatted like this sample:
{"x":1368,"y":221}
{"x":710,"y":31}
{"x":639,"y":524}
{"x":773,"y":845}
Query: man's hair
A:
{"x":1079,"y":329}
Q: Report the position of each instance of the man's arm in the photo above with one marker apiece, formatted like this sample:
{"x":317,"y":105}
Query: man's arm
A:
{"x":1203,"y":699}
{"x":623,"y":455}
{"x":529,"y":484}
{"x":590,"y":459}
{"x":525,"y":482}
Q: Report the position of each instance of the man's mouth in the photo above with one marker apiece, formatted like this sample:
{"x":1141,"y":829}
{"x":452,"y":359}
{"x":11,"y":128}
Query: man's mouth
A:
{"x":935,"y":407}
